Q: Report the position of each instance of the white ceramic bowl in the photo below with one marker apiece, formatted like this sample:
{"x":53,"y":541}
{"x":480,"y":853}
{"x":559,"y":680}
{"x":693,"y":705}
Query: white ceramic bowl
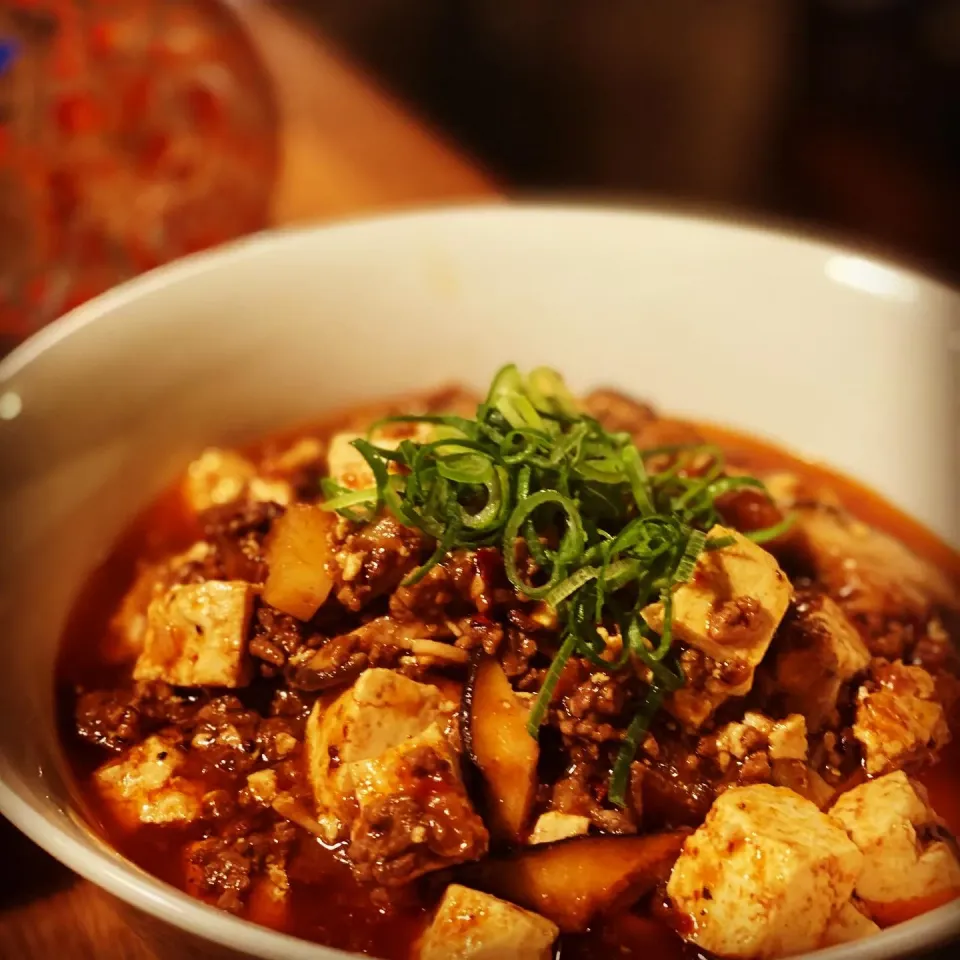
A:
{"x":834,"y":354}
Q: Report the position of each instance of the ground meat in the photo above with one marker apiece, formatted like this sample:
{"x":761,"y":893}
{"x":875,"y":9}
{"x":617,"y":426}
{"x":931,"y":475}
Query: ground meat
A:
{"x":445,"y":593}
{"x":428,"y":826}
{"x":160,"y":705}
{"x":223,"y":872}
{"x":290,"y":704}
{"x":480,"y":631}
{"x":617,"y":412}
{"x":118,"y":718}
{"x":108,"y":718}
{"x":225,"y":737}
{"x":374,"y":558}
{"x":755,"y":769}
{"x":525,"y":637}
{"x":236,"y":532}
{"x":218,"y":805}
{"x":582,"y":790}
{"x":277,"y":637}
{"x":594,"y":709}
{"x":517,"y":652}
{"x":677,"y":788}
{"x":340,"y":660}
{"x":279,"y":738}
{"x":222,"y":868}
{"x":748,"y":510}
{"x":735,"y":621}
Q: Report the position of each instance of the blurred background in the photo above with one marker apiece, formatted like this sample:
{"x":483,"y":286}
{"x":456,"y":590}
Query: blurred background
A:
{"x":133,"y":132}
{"x":844,"y":114}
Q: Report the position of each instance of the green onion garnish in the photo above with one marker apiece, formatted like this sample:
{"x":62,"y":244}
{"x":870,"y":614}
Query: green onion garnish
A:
{"x":582,"y":522}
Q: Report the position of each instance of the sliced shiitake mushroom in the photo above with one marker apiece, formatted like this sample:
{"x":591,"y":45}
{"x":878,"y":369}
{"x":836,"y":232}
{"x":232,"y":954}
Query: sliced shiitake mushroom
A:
{"x":572,"y":882}
{"x":338,"y":662}
{"x":493,"y":726}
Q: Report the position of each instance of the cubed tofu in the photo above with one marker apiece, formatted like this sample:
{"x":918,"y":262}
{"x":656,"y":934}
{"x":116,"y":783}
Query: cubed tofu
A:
{"x":197,"y":635}
{"x":303,"y":453}
{"x":346,"y":465}
{"x":143,"y":786}
{"x":901,"y":838}
{"x":380,"y":711}
{"x":764,"y":875}
{"x":553,"y":825}
{"x":708,"y":684}
{"x":218,"y":477}
{"x":782,"y":739}
{"x":731,"y":605}
{"x":899,"y":717}
{"x":818,"y":651}
{"x":413,"y":812}
{"x":128,"y":626}
{"x":262,"y":785}
{"x":470,"y":925}
{"x":849,"y":923}
{"x":784,"y":487}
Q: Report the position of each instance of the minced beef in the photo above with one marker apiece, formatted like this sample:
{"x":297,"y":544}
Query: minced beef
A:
{"x":374,"y":559}
{"x":108,"y":719}
{"x":222,"y":868}
{"x":276,"y":638}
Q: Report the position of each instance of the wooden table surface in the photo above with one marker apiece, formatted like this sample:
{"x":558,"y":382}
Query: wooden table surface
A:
{"x":347,"y":148}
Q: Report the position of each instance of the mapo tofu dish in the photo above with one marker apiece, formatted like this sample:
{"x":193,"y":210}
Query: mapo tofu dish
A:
{"x":525,"y":676}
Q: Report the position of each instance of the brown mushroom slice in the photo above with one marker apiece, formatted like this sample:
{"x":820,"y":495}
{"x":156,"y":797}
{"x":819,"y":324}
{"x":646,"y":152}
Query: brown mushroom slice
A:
{"x":339,"y":661}
{"x":572,"y":882}
{"x":493,"y":725}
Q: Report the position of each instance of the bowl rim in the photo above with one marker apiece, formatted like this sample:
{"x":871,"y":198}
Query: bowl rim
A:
{"x":123,"y":879}
{"x":784,"y":233}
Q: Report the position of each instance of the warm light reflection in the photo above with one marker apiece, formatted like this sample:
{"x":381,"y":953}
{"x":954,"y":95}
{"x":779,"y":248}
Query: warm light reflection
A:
{"x":10,"y":405}
{"x":870,"y":277}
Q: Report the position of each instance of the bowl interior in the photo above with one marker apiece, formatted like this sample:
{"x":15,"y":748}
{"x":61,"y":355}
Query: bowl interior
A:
{"x":838,"y":356}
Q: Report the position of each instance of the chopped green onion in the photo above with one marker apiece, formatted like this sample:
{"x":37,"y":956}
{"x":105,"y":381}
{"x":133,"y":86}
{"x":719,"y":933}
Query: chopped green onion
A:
{"x":540,"y":706}
{"x":771,"y":533}
{"x":631,"y":742}
{"x":605,"y":534}
{"x":691,"y":553}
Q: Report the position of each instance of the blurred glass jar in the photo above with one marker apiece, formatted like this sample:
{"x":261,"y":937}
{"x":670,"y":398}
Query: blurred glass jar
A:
{"x":132,"y":132}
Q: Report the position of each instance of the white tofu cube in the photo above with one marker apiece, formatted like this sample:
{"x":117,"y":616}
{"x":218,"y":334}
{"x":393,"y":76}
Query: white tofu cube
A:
{"x":818,"y":651}
{"x":218,"y":477}
{"x":904,"y":858}
{"x":142,"y":786}
{"x":898,"y":717}
{"x":783,"y":739}
{"x":197,"y":635}
{"x":304,"y":452}
{"x":381,"y":710}
{"x":475,"y":926}
{"x":418,"y":776}
{"x":731,"y":605}
{"x":128,"y":626}
{"x":553,"y":825}
{"x":346,"y":465}
{"x":849,"y":923}
{"x":764,"y":875}
{"x":262,"y":785}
